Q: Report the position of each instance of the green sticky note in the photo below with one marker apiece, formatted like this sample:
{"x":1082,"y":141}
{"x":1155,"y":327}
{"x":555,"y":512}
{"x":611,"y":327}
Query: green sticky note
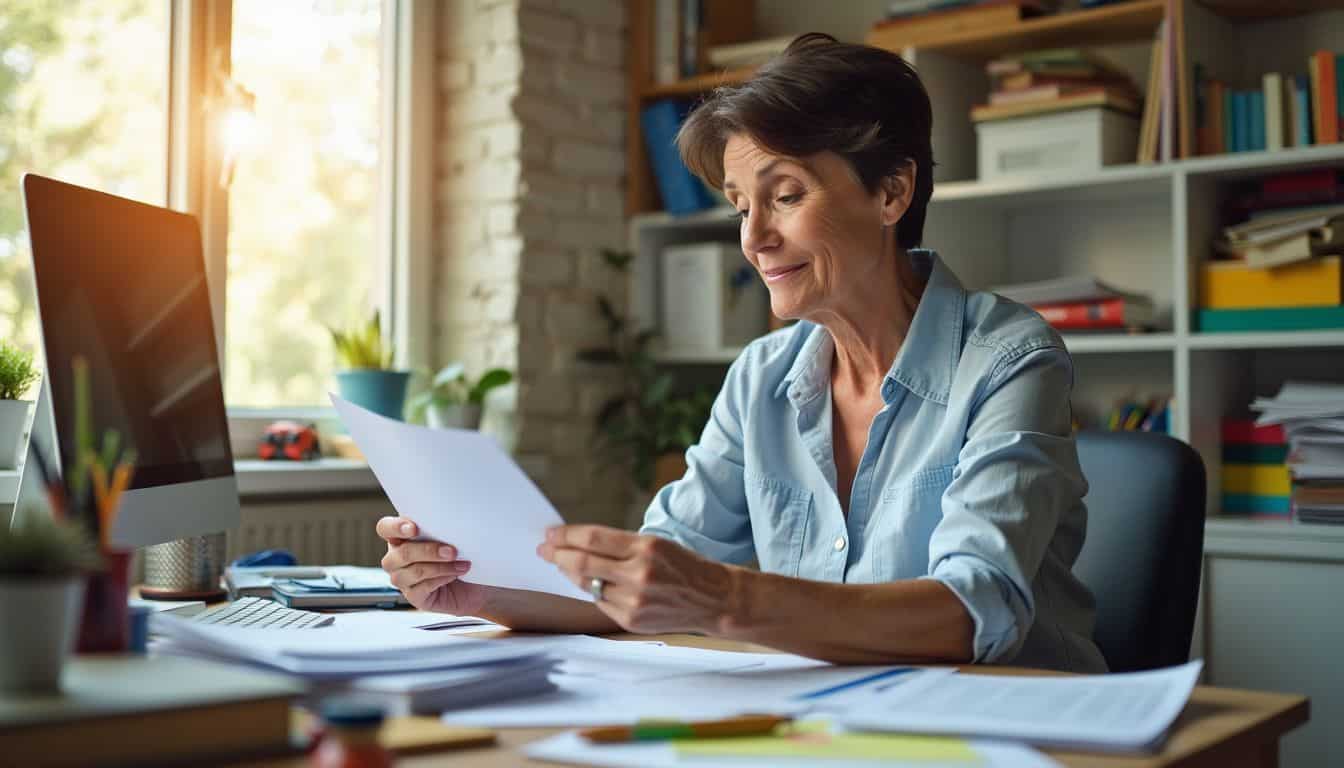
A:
{"x":814,"y":739}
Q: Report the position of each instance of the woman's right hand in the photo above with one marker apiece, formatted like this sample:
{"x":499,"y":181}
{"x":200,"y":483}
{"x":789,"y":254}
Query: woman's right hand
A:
{"x":427,"y":572}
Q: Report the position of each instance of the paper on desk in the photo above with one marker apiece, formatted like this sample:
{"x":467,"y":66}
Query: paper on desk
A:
{"x":1130,"y":711}
{"x":461,"y":488}
{"x":572,"y":748}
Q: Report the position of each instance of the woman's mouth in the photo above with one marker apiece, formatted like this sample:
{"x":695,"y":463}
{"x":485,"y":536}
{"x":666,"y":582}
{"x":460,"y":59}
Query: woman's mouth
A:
{"x":781,"y":273}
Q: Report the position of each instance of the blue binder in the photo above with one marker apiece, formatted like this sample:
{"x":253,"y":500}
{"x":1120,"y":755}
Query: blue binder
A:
{"x":681,"y":191}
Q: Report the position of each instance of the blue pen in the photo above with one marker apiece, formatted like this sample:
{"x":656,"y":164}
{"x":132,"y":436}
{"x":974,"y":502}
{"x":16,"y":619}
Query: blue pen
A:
{"x":862,"y":681}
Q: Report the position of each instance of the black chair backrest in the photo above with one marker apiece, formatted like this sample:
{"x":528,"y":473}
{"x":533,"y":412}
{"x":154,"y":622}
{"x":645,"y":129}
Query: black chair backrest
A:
{"x":1144,"y":547}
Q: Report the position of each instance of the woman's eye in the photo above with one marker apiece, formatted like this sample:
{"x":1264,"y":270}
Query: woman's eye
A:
{"x":789,"y":199}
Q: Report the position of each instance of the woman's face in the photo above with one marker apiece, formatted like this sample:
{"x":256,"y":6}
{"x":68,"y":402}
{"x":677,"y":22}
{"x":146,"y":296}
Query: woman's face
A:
{"x":808,"y":226}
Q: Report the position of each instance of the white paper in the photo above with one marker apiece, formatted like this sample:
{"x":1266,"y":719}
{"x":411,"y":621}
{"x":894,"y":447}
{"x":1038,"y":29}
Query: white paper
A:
{"x":572,"y":748}
{"x":461,"y":488}
{"x":1127,"y":711}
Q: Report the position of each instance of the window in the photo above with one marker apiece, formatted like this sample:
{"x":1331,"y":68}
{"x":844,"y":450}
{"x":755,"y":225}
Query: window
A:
{"x":303,"y":243}
{"x":83,"y":97}
{"x":302,"y":237}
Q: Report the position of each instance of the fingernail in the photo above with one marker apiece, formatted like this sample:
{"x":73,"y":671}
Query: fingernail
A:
{"x":408,"y":529}
{"x":447,"y":553}
{"x":462,"y":566}
{"x":552,"y":534}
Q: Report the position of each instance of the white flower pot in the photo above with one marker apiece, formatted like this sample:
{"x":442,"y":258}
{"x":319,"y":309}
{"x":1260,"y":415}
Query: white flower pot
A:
{"x":40,"y":617}
{"x":13,"y":420}
{"x":459,"y":416}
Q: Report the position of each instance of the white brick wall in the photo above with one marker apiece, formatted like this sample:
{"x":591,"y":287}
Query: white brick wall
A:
{"x":531,"y":178}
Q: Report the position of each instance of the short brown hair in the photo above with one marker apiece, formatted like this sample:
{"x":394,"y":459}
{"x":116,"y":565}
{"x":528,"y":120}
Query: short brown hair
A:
{"x":863,"y":103}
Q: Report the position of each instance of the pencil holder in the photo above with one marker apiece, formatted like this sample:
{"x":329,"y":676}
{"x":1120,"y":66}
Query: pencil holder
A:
{"x":105,"y":625}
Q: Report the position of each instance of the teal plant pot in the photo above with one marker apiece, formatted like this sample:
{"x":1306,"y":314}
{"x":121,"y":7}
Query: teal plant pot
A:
{"x":383,"y":392}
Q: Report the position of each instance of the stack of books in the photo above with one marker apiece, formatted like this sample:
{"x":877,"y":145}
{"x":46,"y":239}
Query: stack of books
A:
{"x":1055,"y":80}
{"x":1083,"y":304}
{"x":1311,"y":415}
{"x":1287,"y":110}
{"x":1280,"y":268}
{"x":1152,"y":415}
{"x":1256,"y":481}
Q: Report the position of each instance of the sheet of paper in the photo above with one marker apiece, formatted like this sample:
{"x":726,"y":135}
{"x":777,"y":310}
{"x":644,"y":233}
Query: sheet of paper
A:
{"x":817,"y":740}
{"x":1128,"y":711}
{"x":459,"y":486}
{"x":574,"y":749}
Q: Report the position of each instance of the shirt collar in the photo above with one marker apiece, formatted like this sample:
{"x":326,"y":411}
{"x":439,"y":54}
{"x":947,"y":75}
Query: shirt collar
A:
{"x":927,"y":358}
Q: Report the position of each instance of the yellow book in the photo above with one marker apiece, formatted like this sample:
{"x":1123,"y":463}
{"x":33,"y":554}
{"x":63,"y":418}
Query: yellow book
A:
{"x":1233,"y":285}
{"x":1258,"y":479}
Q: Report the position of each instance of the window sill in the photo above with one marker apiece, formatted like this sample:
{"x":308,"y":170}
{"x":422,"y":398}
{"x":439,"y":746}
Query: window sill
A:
{"x":269,"y":478}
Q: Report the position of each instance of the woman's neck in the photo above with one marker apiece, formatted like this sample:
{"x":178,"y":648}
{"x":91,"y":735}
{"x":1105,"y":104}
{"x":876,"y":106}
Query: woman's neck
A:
{"x":870,"y":325}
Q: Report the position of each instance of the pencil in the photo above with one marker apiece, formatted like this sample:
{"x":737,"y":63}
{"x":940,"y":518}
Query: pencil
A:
{"x":745,"y":725}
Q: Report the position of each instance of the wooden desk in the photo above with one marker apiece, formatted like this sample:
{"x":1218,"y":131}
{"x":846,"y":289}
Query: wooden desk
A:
{"x":1220,"y":727}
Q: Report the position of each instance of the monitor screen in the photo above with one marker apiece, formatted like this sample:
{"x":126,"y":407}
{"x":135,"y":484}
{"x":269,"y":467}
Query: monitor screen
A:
{"x":123,"y":285}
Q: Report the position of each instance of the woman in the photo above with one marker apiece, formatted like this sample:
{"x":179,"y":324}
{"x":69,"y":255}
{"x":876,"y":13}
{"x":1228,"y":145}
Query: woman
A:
{"x":899,"y":462}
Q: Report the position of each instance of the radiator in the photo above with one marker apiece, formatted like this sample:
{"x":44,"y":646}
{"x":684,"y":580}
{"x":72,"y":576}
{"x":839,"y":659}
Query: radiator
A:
{"x":318,"y":532}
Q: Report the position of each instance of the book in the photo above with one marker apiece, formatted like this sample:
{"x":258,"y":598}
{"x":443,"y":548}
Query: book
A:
{"x":1245,"y":431}
{"x":1235,"y":285}
{"x":666,"y":41}
{"x":1258,"y":479}
{"x":1255,"y":116}
{"x":1050,"y":91}
{"x":1152,"y":103}
{"x":1325,"y":97}
{"x":1272,"y":83}
{"x":1090,"y":97}
{"x":1251,"y":453}
{"x":1061,"y":290}
{"x":1302,"y":112}
{"x":747,"y":54}
{"x":1114,"y":313}
{"x":140,"y":710}
{"x":430,"y":693}
{"x":1269,"y":319}
{"x":681,"y":191}
{"x":1257,"y":505}
{"x":1030,"y":79}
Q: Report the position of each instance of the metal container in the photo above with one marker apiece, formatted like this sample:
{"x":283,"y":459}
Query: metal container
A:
{"x":190,"y":565}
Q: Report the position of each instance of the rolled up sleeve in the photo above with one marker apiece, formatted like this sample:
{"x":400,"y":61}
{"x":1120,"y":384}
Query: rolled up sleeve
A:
{"x":706,"y":510}
{"x":1016,"y":474}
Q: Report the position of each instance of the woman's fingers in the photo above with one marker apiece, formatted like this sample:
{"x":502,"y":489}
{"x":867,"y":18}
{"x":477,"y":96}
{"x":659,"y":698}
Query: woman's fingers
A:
{"x":582,"y":567}
{"x":598,"y":539}
{"x":421,"y":594}
{"x":395,"y":530}
{"x":413,"y":575}
{"x":402,"y":555}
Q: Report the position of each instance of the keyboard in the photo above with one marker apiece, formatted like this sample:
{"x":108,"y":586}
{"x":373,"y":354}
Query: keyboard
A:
{"x":263,"y":613}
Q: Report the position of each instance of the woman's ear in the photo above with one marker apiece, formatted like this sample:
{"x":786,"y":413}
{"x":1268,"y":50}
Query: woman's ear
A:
{"x":897,"y":189}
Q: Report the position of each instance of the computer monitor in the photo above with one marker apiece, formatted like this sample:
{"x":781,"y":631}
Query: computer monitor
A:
{"x":123,"y":284}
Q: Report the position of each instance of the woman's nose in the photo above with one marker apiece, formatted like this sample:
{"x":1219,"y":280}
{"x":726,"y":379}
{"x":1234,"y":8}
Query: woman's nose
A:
{"x":758,"y":234}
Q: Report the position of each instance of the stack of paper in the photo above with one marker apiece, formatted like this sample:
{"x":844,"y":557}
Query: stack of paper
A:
{"x":1312,"y":415}
{"x":430,"y":693}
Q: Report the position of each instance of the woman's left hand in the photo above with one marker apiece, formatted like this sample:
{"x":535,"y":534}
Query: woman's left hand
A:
{"x":651,"y":584}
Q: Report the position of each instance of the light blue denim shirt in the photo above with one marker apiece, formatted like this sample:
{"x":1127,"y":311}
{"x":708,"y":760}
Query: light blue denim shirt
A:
{"x":970,"y":475}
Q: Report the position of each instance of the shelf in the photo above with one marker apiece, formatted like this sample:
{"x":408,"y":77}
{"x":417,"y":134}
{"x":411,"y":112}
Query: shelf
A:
{"x":1267,"y":339}
{"x":1111,"y":183}
{"x":1120,"y":23}
{"x":694,"y":86}
{"x":1279,"y":539}
{"x":1137,"y":342}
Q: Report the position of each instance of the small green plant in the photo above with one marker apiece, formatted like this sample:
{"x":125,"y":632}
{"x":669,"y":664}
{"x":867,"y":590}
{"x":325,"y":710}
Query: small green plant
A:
{"x":648,"y":417}
{"x":451,"y":386}
{"x":363,"y":347}
{"x":17,"y":372}
{"x":37,"y":545}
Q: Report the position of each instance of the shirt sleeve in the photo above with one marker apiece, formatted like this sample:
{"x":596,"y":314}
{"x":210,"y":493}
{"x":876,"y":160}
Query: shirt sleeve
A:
{"x":706,"y":510}
{"x":1016,"y":475}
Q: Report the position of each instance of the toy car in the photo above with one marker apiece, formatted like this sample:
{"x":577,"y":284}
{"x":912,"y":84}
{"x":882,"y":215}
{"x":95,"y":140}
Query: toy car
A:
{"x":290,"y":440}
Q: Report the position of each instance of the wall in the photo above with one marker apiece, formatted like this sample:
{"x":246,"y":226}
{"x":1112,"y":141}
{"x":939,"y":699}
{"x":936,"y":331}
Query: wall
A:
{"x":529,"y":192}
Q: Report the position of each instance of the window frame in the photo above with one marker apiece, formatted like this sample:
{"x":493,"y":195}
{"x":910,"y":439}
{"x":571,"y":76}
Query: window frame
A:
{"x":199,"y":52}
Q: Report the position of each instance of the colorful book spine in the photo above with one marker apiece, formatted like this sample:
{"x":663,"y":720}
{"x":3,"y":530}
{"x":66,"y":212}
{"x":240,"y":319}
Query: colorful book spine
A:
{"x":1302,"y":89}
{"x":681,"y":191}
{"x":1325,"y":90}
{"x":1255,"y":117}
{"x":1085,"y":315}
{"x":1231,"y":285}
{"x":1269,"y":319}
{"x":1255,"y":477}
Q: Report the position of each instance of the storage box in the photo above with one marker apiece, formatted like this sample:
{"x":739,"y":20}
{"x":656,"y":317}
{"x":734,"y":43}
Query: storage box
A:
{"x":1058,"y":142}
{"x":711,"y":296}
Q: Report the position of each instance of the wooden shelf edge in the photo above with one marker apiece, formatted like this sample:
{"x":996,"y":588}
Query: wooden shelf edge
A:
{"x":694,"y":86}
{"x":1123,"y":22}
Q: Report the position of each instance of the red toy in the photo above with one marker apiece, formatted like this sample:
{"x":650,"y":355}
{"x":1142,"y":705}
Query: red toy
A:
{"x":290,"y":440}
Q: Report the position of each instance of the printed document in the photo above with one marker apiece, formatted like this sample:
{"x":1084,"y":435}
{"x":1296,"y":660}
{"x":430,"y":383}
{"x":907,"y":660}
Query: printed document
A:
{"x":460,"y":487}
{"x":1130,"y":711}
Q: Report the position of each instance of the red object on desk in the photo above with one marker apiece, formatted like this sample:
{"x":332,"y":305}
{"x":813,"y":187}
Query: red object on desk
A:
{"x":105,"y":624}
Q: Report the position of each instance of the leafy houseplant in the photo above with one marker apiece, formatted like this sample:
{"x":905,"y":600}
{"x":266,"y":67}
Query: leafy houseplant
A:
{"x":648,"y":424}
{"x":367,"y":379}
{"x":453,"y":400}
{"x":17,"y":376}
{"x":42,"y":569}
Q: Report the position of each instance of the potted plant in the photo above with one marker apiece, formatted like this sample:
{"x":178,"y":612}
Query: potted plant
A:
{"x":17,"y":376}
{"x":368,"y":379}
{"x":452,"y":400}
{"x":43,"y":565}
{"x":647,"y":424}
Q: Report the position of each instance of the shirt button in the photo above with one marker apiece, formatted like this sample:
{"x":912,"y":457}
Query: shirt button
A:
{"x":839,"y":543}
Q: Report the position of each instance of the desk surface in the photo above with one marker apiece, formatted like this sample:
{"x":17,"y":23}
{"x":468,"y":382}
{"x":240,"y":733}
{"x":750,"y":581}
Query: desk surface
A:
{"x":1219,"y":727}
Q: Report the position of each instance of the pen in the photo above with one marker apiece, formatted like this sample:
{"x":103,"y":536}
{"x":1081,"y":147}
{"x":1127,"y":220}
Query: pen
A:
{"x":746,"y":725}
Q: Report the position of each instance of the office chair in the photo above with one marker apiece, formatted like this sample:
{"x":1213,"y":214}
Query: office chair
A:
{"x":1145,"y":544}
